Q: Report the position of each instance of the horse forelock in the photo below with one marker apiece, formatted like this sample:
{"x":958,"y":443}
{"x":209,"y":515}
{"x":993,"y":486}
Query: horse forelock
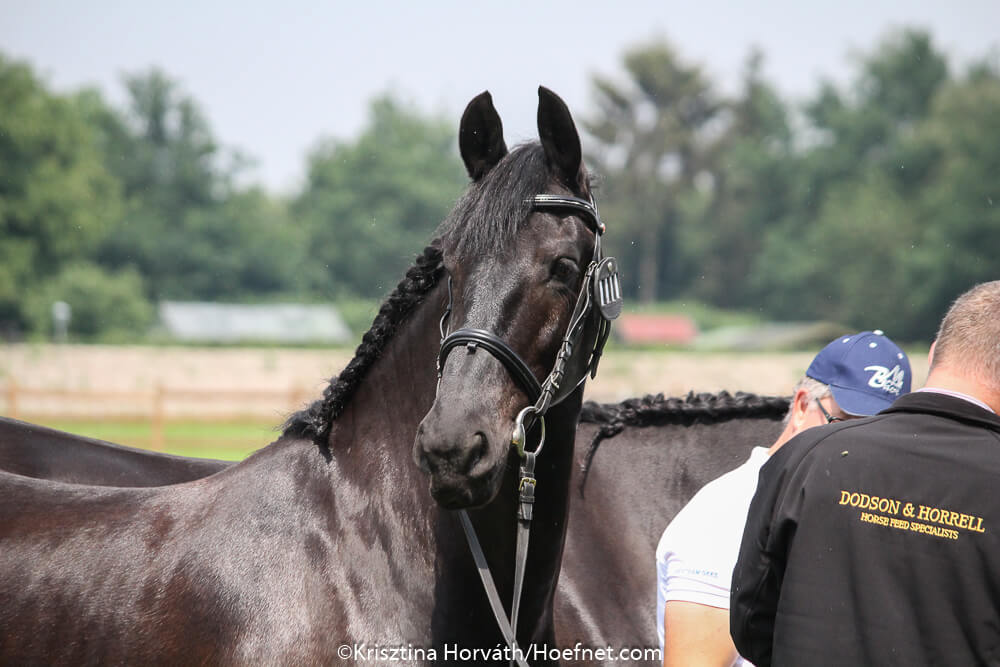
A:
{"x":497,"y":206}
{"x":482,"y":221}
{"x":314,"y":422}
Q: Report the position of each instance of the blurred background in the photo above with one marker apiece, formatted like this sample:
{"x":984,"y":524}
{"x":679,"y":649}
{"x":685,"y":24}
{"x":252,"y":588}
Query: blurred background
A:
{"x":202,"y":204}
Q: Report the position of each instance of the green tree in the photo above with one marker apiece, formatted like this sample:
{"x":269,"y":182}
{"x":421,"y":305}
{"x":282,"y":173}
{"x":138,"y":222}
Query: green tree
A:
{"x":652,"y":139}
{"x":56,"y":198}
{"x":752,"y":171}
{"x":863,"y":126}
{"x":162,"y":152}
{"x":161,"y":146}
{"x":847,"y":265}
{"x":104,"y":306}
{"x":243,"y":248}
{"x":893,"y":211}
{"x":187,"y":228}
{"x":369,"y":204}
{"x":957,"y":208}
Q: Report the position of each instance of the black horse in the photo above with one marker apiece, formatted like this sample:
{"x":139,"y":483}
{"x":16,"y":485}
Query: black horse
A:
{"x":637,"y":463}
{"x":325,"y":545}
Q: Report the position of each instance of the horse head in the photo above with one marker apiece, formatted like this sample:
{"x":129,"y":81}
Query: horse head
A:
{"x":520,"y":249}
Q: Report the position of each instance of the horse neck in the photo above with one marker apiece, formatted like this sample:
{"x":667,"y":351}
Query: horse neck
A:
{"x":378,"y":424}
{"x":462,"y":607}
{"x":370,"y":450}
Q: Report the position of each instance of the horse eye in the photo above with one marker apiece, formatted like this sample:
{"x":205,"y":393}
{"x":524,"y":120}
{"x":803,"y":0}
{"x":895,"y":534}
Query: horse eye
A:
{"x":565,"y":270}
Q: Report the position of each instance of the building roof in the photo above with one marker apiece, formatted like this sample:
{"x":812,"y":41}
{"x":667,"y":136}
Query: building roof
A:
{"x":639,"y":328}
{"x":234,"y":323}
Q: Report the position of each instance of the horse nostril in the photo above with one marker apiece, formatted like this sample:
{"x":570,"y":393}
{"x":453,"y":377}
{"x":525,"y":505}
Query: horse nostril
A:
{"x":478,"y":446}
{"x":426,"y":462}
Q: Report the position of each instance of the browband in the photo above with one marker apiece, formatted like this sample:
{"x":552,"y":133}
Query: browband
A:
{"x":592,"y":219}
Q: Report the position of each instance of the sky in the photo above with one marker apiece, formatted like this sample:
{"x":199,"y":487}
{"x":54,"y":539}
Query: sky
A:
{"x":274,"y":78}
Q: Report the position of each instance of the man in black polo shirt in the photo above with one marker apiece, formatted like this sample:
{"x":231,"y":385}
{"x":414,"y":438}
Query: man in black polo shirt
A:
{"x":877,"y":541}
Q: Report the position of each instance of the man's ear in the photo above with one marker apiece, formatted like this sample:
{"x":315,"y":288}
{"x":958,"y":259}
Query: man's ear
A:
{"x":930,"y":355}
{"x":800,"y":404}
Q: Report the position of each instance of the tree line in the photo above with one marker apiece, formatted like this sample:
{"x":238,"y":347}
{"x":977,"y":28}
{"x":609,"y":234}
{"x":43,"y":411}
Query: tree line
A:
{"x":871,"y":204}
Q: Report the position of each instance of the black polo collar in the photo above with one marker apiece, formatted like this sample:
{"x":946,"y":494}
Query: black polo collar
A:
{"x":945,"y":406}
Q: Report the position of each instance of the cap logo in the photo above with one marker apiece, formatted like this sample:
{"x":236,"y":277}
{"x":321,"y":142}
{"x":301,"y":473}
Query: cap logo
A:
{"x":888,"y":380}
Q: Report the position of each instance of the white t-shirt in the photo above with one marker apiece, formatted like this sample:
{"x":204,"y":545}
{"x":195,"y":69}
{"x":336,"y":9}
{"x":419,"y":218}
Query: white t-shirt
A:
{"x":698,"y":550}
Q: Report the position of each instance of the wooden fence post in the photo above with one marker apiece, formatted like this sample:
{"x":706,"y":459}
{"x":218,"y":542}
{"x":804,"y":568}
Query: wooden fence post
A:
{"x":157,"y":436}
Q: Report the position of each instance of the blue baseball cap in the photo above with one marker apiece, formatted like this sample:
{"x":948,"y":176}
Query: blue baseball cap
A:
{"x":866,"y":372}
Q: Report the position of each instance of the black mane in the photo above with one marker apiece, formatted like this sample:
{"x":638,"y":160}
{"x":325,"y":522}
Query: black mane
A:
{"x":656,"y":410}
{"x":315,"y":421}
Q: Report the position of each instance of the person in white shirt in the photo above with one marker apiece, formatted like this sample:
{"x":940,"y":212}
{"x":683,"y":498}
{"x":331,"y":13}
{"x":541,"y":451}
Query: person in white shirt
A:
{"x":853,"y":376}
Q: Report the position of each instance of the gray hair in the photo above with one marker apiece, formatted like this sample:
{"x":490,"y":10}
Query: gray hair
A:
{"x":815,"y":390}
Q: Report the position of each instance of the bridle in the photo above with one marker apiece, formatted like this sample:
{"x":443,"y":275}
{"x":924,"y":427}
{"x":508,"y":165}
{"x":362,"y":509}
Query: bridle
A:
{"x":600,"y":288}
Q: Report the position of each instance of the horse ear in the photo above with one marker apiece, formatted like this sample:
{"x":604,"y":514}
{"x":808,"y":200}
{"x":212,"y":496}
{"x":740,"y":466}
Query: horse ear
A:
{"x":560,"y":139}
{"x":480,"y":136}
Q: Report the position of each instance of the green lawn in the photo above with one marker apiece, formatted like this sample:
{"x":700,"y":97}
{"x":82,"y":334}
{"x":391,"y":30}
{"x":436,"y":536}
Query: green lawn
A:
{"x":228,"y":440}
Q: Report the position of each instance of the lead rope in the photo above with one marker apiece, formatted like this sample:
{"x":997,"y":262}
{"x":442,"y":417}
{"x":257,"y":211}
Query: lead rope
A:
{"x":526,"y":491}
{"x":491,"y":590}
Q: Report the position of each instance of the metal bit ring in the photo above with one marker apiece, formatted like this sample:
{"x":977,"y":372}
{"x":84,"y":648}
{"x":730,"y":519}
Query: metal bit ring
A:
{"x":519,"y":437}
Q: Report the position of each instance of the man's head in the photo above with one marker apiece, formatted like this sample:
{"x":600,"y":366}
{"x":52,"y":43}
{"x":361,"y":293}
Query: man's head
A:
{"x":968,"y":342}
{"x":854,"y":376}
{"x":865,"y":372}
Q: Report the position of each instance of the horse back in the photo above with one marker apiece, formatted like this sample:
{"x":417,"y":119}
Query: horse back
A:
{"x":44,"y":453}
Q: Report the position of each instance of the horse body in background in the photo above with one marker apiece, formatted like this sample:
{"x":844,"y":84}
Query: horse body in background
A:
{"x":637,"y":464}
{"x":44,"y":453}
{"x":328,"y":537}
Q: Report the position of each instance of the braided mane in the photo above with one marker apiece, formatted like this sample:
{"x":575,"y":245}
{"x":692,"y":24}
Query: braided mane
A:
{"x":650,"y":410}
{"x":656,"y":410}
{"x":315,"y":421}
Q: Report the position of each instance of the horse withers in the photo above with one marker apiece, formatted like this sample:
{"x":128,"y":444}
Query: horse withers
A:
{"x":327,"y":543}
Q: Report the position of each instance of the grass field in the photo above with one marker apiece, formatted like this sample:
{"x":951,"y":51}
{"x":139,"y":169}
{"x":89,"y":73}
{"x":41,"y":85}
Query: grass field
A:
{"x":206,"y":425}
{"x":226,"y":440}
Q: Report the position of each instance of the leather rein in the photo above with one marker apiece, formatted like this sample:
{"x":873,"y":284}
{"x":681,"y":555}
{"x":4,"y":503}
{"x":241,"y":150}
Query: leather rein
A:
{"x":600,"y":288}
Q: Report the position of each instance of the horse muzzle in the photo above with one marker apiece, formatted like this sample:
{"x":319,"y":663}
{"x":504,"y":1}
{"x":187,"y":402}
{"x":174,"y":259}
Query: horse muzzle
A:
{"x":464,"y":470}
